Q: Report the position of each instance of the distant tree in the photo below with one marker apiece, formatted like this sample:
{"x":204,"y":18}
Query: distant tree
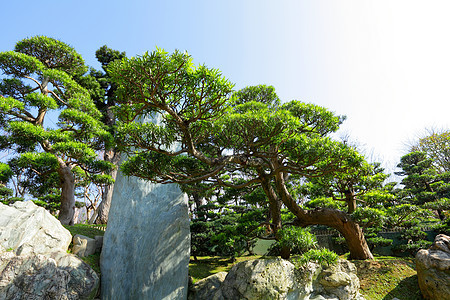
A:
{"x":216,"y":137}
{"x":436,"y":145}
{"x":38,"y":81}
{"x":104,"y":96}
{"x":422,"y":182}
{"x":5,"y":176}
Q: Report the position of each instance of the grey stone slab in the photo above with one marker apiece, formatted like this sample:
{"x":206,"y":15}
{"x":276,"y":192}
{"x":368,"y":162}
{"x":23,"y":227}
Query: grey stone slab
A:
{"x":146,"y":245}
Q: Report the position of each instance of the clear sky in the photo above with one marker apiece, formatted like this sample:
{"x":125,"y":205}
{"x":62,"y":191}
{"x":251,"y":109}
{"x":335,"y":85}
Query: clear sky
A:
{"x":384,"y":64}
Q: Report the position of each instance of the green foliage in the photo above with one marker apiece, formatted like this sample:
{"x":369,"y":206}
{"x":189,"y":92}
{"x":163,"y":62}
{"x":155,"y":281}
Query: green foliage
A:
{"x":5,"y":173}
{"x":262,"y":93}
{"x":39,"y":172}
{"x":441,"y":204}
{"x":324,"y":202}
{"x":39,"y":77}
{"x":49,"y":202}
{"x":436,"y":146}
{"x":377,"y":241}
{"x":379,"y":198}
{"x":442,"y":227}
{"x":369,"y":217}
{"x":415,"y":239}
{"x":226,"y":234}
{"x":193,"y":93}
{"x":53,"y":53}
{"x":321,"y":256}
{"x":297,"y":239}
{"x":201,"y":135}
{"x":401,"y":214}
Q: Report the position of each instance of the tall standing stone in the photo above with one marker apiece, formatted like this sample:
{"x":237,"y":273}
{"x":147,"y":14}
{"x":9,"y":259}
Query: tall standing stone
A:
{"x":147,"y":242}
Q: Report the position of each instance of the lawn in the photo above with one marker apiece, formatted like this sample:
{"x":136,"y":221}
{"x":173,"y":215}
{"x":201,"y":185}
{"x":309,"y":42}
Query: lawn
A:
{"x":388,"y":278}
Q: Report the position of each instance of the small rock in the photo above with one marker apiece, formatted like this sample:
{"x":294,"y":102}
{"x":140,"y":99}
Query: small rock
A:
{"x":83,"y":245}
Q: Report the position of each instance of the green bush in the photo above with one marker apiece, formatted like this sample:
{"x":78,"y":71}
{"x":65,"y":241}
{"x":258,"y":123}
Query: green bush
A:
{"x":226,"y":234}
{"x":321,"y":256}
{"x":297,"y":239}
{"x":414,"y":239}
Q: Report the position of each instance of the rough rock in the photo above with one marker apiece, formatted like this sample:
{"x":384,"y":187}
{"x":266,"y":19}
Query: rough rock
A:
{"x":36,"y":276}
{"x":146,"y":245}
{"x":34,"y":263}
{"x":272,"y":278}
{"x":340,"y":280}
{"x":28,"y":228}
{"x":279,"y":279}
{"x":83,"y":245}
{"x":98,"y":243}
{"x":433,"y":269}
{"x":207,"y":287}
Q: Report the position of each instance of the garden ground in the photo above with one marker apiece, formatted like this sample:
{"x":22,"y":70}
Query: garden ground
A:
{"x":384,"y":278}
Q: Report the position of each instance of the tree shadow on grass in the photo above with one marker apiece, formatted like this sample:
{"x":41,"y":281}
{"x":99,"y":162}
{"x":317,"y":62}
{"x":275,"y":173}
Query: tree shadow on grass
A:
{"x":407,"y":289}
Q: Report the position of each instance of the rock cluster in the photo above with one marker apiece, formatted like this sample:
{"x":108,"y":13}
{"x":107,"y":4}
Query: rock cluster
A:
{"x":279,"y":279}
{"x":34,"y":263}
{"x":433,"y":269}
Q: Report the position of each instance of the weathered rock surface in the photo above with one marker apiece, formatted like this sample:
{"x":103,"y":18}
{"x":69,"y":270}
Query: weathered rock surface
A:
{"x":433,"y":269}
{"x":208,"y":287}
{"x":34,"y":263}
{"x":28,"y":228}
{"x":279,"y":279}
{"x":37,"y":276}
{"x":339,"y":280}
{"x":146,"y":245}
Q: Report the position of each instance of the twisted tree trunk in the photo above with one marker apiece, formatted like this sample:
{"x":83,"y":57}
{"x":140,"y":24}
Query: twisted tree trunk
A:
{"x":337,"y":219}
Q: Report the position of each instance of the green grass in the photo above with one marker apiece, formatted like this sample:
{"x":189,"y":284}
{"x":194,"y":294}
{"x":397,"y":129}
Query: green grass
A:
{"x":93,"y":261}
{"x":384,"y":278}
{"x":84,"y":229}
{"x":90,"y":231}
{"x":209,"y":265}
{"x":388,"y":278}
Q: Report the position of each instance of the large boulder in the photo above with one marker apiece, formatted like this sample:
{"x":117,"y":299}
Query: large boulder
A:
{"x":28,"y":228}
{"x":433,"y":269}
{"x":146,"y":245}
{"x":280,"y":279}
{"x":37,"y":276}
{"x":34,"y":263}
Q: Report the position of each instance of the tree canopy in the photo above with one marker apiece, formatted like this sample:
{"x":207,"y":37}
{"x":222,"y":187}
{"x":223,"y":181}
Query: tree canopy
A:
{"x":207,"y":133}
{"x":38,"y":81}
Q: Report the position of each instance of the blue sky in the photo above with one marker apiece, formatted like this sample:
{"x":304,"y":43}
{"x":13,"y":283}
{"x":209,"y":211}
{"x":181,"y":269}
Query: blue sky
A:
{"x":384,"y":64}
